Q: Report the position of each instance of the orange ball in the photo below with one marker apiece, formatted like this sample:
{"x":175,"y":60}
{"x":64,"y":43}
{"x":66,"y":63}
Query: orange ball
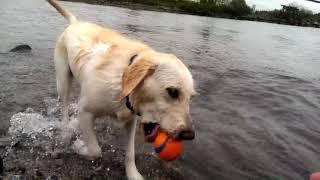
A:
{"x":167,"y":148}
{"x":315,"y":176}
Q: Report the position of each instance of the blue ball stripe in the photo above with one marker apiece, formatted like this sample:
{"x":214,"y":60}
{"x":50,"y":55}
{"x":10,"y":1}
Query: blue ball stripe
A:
{"x":160,"y":149}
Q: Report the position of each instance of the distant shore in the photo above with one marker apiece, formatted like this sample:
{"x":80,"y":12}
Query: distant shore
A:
{"x":252,"y":17}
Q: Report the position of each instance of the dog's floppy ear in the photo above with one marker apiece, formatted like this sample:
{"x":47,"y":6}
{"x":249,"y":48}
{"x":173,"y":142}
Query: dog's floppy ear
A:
{"x":135,"y":74}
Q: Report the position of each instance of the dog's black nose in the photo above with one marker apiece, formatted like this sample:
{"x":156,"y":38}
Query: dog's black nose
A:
{"x":186,"y":135}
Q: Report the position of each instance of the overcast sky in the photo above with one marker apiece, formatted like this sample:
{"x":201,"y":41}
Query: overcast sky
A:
{"x":276,"y":4}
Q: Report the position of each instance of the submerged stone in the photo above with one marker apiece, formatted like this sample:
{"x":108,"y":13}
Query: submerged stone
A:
{"x":21,"y":48}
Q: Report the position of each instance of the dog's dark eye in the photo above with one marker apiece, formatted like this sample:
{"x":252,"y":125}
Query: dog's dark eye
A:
{"x":173,"y":93}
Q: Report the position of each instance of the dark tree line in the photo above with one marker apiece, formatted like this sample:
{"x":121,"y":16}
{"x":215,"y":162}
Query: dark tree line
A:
{"x":201,"y":7}
{"x":289,"y":14}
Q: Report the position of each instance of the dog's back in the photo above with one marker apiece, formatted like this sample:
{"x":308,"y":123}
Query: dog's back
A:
{"x":82,"y":40}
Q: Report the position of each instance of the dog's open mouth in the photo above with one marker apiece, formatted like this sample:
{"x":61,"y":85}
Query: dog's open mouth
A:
{"x":150,"y":131}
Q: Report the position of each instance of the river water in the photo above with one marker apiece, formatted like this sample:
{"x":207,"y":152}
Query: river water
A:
{"x":257,"y":115}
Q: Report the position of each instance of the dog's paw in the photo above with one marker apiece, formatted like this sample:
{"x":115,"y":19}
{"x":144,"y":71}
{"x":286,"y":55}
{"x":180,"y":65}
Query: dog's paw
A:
{"x":133,"y":173}
{"x":94,"y":153}
{"x":73,"y":124}
{"x":82,"y":149}
{"x":137,"y":176}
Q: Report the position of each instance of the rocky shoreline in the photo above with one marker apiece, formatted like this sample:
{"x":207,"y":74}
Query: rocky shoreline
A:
{"x":39,"y":151}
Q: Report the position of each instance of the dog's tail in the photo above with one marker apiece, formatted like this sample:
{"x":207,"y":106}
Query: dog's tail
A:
{"x":68,"y":15}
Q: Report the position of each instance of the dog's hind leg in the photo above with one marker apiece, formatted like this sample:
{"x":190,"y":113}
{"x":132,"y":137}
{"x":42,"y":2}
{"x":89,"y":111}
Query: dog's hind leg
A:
{"x":63,"y":77}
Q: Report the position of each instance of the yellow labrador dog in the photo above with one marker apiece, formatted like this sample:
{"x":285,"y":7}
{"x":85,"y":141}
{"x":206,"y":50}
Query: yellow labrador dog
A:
{"x":121,"y":78}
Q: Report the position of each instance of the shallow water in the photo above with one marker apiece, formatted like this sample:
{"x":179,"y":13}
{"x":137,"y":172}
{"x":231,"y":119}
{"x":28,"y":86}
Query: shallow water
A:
{"x":257,"y":115}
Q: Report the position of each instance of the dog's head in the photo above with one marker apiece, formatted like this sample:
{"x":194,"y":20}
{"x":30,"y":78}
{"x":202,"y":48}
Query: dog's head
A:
{"x":160,"y":88}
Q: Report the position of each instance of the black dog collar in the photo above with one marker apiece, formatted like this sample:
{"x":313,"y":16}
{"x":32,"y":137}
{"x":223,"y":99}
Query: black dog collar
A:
{"x":128,"y":103}
{"x":132,"y":59}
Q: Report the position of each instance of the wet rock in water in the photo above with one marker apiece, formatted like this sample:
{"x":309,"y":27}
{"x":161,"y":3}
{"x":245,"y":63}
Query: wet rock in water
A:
{"x":99,"y":168}
{"x":1,"y":165}
{"x":16,"y":177}
{"x":58,"y":162}
{"x":53,"y":177}
{"x":29,"y":110}
{"x":16,"y":169}
{"x":56,"y":154}
{"x":21,"y":48}
{"x":38,"y":173}
{"x":5,"y":141}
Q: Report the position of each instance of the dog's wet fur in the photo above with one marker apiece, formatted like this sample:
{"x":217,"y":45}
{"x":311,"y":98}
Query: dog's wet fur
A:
{"x":158,"y":85}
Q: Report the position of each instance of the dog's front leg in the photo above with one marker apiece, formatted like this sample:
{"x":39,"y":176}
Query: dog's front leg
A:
{"x":93,"y":149}
{"x":131,"y":169}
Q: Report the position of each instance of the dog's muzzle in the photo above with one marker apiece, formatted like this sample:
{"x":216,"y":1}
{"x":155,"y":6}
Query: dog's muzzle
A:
{"x":185,"y":134}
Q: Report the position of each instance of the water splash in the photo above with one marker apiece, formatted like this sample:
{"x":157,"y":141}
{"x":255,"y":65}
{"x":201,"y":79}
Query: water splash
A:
{"x":32,"y":128}
{"x":31,"y":123}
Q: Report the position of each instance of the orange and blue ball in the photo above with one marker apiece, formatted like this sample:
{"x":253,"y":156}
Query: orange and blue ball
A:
{"x":167,"y":148}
